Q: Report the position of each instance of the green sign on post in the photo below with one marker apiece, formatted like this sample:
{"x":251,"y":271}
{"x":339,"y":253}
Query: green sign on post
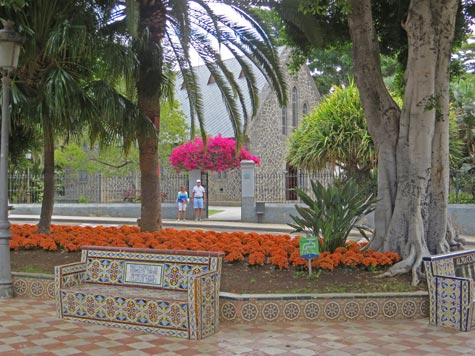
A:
{"x":309,"y":249}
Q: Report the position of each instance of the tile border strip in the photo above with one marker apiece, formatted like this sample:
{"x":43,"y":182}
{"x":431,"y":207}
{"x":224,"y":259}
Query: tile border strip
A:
{"x":249,"y":308}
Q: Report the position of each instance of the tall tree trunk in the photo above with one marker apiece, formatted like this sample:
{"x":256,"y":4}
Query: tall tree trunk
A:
{"x":411,"y":217}
{"x":152,"y":20}
{"x":47,"y":204}
{"x":382,"y":113}
{"x":151,"y":219}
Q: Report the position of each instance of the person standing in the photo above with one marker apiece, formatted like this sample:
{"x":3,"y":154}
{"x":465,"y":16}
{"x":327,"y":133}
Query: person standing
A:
{"x":182,"y":199}
{"x":199,"y":198}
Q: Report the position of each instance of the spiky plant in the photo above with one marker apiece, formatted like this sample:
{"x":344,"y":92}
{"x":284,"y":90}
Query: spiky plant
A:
{"x":332,"y":212}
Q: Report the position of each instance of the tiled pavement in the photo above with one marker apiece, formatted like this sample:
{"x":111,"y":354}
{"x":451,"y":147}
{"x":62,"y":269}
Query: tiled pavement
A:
{"x":30,"y":327}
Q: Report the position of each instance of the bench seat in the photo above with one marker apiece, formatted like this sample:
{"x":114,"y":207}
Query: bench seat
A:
{"x":127,"y":292}
{"x":173,"y":293}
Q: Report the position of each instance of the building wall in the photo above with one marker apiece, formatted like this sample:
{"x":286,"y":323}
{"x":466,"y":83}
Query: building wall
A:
{"x":266,"y":137}
{"x":224,"y":187}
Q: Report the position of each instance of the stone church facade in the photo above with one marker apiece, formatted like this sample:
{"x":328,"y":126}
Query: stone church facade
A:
{"x":268,"y":132}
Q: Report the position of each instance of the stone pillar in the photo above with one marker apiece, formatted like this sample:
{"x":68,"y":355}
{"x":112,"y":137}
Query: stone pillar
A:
{"x":248,"y":213}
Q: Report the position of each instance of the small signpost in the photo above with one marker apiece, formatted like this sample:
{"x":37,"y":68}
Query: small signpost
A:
{"x":309,"y":249}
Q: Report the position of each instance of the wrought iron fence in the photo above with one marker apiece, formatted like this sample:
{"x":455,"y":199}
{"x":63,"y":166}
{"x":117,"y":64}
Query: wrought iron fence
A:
{"x":83,"y":187}
{"x":25,"y":188}
{"x":282,"y":187}
{"x":76,"y":187}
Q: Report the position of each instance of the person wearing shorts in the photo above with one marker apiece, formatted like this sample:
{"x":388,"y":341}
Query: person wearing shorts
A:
{"x":199,"y":198}
{"x":182,"y":199}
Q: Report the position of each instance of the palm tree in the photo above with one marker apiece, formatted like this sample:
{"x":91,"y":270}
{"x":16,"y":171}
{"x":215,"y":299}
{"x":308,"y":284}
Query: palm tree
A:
{"x":56,"y":90}
{"x":166,"y":33}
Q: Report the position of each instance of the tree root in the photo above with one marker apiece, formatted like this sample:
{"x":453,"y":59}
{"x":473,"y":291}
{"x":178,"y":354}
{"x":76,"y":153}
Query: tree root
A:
{"x":409,"y":264}
{"x":456,"y":243}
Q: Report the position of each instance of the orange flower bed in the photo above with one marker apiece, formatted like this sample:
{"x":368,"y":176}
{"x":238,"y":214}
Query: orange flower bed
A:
{"x":258,"y":249}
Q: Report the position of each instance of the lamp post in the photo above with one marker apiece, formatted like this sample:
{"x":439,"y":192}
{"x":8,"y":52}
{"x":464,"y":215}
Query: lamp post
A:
{"x":28,"y":192}
{"x":9,"y":51}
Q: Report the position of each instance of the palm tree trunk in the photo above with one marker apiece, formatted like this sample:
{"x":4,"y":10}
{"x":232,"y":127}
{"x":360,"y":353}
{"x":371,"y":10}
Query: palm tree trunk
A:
{"x":47,"y":204}
{"x":150,"y":215}
{"x":152,"y":18}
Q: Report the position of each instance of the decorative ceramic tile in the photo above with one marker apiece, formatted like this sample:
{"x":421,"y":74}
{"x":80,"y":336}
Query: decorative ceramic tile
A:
{"x":158,"y":291}
{"x":451,"y":289}
{"x":268,"y":308}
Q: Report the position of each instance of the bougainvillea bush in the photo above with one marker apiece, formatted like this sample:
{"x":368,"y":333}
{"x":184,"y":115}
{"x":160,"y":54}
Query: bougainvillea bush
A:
{"x":219,"y":156}
{"x":281,"y":251}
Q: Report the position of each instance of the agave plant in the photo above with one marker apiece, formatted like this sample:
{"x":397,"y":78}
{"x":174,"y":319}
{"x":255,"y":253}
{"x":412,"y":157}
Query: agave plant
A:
{"x":333,"y":212}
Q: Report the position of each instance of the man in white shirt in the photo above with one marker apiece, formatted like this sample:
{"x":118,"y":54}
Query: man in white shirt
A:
{"x":198,"y":197}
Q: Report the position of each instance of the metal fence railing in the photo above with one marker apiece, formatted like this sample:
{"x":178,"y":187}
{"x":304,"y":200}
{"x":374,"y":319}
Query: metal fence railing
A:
{"x":282,"y":187}
{"x":76,"y":187}
{"x":83,"y":187}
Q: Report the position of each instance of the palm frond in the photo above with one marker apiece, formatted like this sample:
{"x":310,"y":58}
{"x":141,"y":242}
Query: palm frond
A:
{"x":246,"y":40}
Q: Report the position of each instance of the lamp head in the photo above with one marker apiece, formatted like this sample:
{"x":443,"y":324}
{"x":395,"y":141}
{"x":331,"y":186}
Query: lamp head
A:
{"x":10,"y":42}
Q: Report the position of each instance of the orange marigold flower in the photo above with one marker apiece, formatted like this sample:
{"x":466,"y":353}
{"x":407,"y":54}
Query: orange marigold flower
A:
{"x":234,"y":256}
{"x":369,"y":262}
{"x":256,"y":258}
{"x":280,"y":250}
{"x":341,"y":250}
{"x":325,"y":263}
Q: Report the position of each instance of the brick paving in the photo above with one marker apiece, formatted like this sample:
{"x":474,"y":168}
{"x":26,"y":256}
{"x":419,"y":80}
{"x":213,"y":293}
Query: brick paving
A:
{"x":30,"y":327}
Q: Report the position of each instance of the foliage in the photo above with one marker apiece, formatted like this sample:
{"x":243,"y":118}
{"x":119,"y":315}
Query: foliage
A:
{"x":464,"y":58}
{"x":22,"y":140}
{"x":166,"y":34}
{"x":279,"y":250}
{"x":332,"y":212}
{"x":13,"y":3}
{"x":463,"y":185}
{"x":173,"y":130}
{"x":112,"y":160}
{"x":464,"y":106}
{"x":220,"y":155}
{"x":462,"y":140}
{"x":335,"y":132}
{"x":180,"y":28}
{"x":58,"y":90}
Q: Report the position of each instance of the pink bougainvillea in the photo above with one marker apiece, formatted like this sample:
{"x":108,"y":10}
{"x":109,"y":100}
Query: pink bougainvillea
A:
{"x":220,"y":155}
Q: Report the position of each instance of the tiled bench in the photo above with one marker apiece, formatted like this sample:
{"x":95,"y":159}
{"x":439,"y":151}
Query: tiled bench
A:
{"x":174,"y":293}
{"x":451,"y":289}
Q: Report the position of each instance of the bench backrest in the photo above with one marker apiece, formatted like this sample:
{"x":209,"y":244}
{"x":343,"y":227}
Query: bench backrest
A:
{"x":455,"y":264}
{"x":148,"y":268}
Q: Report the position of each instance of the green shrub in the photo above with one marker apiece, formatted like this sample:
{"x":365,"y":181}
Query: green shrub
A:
{"x":333,"y":212}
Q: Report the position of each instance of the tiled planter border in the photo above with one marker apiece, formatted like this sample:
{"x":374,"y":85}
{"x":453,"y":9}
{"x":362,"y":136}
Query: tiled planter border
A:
{"x":244,"y":308}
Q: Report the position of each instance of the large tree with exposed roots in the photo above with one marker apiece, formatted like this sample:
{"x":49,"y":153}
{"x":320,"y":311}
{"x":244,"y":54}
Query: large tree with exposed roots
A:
{"x":411,"y":216}
{"x":413,"y":141}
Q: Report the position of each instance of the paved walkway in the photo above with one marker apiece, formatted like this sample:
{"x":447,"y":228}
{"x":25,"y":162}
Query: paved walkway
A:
{"x":229,"y":218}
{"x":30,"y":327}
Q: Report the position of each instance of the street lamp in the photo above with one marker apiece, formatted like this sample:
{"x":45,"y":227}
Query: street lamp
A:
{"x":9,"y":52}
{"x":28,"y":191}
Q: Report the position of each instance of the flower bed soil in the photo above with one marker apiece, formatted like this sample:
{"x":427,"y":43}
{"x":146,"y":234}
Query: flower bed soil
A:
{"x":241,"y":278}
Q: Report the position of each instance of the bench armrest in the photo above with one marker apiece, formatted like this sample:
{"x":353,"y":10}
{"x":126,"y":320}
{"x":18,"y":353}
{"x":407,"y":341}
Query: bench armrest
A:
{"x":203,"y":303}
{"x":65,"y":276}
{"x":451,"y":302}
{"x":69,"y":275}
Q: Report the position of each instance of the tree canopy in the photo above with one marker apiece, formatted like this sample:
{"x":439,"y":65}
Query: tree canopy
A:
{"x":335,"y":132}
